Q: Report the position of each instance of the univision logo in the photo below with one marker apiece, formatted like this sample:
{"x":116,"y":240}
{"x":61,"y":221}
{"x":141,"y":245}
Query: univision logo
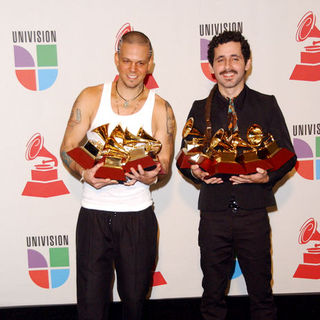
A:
{"x":237,"y":270}
{"x":308,"y":166}
{"x":35,"y":58}
{"x":48,"y":266}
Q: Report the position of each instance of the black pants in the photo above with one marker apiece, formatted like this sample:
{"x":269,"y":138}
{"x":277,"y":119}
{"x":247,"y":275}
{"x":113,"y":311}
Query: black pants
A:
{"x":126,"y":240}
{"x":246,"y":234}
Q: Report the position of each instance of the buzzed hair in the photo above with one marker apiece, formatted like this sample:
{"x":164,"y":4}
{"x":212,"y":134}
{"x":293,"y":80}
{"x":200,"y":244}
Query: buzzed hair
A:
{"x":135,"y":37}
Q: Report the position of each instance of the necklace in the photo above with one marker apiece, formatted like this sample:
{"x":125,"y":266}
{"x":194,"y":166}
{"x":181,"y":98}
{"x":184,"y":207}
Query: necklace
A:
{"x":127,"y":101}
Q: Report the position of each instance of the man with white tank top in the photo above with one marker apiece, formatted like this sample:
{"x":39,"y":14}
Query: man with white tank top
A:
{"x":117,"y":226}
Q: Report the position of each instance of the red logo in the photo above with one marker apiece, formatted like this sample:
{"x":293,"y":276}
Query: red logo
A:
{"x":309,"y":67}
{"x":149,"y":80}
{"x":310,"y":268}
{"x":44,"y":176}
{"x":158,"y":279}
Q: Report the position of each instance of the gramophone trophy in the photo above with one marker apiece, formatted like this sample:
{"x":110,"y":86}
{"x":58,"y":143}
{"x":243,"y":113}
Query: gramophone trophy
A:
{"x":309,"y":67}
{"x":88,"y":154}
{"x":44,"y":176}
{"x":230,"y":154}
{"x":119,"y":152}
{"x":310,"y":268}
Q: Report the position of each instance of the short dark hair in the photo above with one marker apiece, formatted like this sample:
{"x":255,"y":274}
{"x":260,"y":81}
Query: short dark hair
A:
{"x":225,"y":37}
{"x":135,"y":37}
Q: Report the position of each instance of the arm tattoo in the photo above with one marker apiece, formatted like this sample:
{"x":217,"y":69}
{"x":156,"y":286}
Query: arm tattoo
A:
{"x":170,"y":119}
{"x":75,"y":117}
{"x":66,"y":159}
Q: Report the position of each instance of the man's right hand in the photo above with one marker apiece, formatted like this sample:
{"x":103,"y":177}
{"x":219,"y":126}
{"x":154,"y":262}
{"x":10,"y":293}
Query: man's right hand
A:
{"x":202,"y":175}
{"x":89,"y":177}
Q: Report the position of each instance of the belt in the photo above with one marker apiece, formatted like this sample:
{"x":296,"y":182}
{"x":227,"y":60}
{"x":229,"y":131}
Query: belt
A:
{"x":233,"y":205}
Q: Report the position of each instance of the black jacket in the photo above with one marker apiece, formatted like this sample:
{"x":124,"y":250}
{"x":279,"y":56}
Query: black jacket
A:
{"x":251,"y":107}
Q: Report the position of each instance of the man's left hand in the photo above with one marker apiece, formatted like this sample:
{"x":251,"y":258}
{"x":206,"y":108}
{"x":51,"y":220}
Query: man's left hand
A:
{"x":146,"y":177}
{"x":261,"y":176}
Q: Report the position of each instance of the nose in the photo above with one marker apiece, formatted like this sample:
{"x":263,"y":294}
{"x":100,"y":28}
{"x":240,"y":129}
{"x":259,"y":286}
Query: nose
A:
{"x":227,"y":64}
{"x":132,"y":67}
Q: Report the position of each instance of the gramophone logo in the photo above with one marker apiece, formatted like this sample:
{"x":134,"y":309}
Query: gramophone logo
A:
{"x":149,"y":80}
{"x":35,"y":58}
{"x":207,"y":31}
{"x":310,"y":267}
{"x":158,"y":279}
{"x":308,"y":164}
{"x":309,"y":67}
{"x":44,"y":175}
{"x":48,"y":264}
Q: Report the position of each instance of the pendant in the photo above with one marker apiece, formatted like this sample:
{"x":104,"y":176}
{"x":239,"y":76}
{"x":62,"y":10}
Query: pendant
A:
{"x":125,"y":104}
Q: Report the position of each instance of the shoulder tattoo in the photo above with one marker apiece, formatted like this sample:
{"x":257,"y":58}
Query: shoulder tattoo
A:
{"x":170,"y":121}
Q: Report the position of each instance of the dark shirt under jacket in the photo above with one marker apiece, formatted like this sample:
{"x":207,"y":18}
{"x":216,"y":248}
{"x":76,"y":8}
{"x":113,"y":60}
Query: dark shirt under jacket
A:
{"x":251,"y":107}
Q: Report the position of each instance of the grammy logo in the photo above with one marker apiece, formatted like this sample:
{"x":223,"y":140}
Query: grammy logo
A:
{"x":44,"y":176}
{"x":309,"y":67}
{"x":310,"y":268}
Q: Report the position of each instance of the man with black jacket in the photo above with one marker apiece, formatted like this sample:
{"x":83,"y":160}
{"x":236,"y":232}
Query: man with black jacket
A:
{"x":234,"y":219}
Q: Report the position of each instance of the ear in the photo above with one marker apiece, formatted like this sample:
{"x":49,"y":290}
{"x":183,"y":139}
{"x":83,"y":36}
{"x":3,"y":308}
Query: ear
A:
{"x":116,"y":59}
{"x":211,"y":68}
{"x":151,"y":64}
{"x":248,"y":65}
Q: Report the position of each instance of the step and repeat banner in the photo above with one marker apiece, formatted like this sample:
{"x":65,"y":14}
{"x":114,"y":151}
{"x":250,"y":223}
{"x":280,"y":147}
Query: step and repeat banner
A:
{"x":51,"y":50}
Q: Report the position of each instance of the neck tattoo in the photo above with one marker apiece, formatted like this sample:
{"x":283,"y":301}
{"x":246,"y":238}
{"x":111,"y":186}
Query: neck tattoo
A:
{"x":127,"y":101}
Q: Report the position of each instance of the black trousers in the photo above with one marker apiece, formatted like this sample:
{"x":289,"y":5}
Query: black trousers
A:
{"x":124,"y":240}
{"x":246,"y":234}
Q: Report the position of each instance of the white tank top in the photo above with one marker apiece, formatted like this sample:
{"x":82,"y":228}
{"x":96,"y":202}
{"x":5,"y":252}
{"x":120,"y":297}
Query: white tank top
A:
{"x":120,"y":197}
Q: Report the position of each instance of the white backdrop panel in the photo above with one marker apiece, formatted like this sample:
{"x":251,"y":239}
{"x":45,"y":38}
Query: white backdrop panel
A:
{"x":86,"y":33}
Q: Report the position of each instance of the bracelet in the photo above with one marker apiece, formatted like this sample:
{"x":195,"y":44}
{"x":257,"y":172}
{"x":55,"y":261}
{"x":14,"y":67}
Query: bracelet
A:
{"x":82,"y":176}
{"x":155,"y":181}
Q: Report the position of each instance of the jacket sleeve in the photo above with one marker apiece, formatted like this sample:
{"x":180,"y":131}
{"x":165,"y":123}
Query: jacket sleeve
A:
{"x":279,"y":130}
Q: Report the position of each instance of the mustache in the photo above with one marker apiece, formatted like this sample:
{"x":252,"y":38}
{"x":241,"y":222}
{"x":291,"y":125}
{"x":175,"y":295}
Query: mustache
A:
{"x":228,"y":71}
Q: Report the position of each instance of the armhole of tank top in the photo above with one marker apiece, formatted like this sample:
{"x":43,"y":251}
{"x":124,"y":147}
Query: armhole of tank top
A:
{"x":152,"y":109}
{"x":106,"y":88}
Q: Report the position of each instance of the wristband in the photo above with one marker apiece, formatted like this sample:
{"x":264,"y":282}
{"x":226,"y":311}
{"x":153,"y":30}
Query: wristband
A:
{"x":82,"y":176}
{"x":155,"y":181}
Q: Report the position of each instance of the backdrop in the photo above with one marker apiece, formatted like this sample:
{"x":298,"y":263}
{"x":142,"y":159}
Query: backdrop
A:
{"x":51,"y":50}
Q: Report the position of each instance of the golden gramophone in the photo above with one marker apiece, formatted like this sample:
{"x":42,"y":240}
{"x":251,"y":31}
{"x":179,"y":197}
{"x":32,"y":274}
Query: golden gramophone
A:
{"x":229,"y":153}
{"x":88,"y":154}
{"x":120,"y":151}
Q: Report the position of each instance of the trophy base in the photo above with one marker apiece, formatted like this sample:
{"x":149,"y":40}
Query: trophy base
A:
{"x":111,"y":173}
{"x":213,"y":167}
{"x":251,"y":167}
{"x":308,"y":271}
{"x":45,"y":189}
{"x":183,"y":160}
{"x":280,"y":158}
{"x":80,"y":156}
{"x":147,"y":164}
{"x":233,"y":168}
